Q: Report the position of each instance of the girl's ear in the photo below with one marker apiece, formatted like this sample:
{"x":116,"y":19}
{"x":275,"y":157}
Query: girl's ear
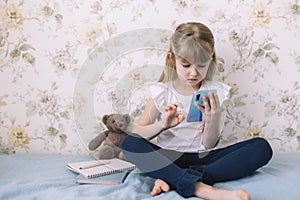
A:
{"x":170,"y":60}
{"x":170,"y":55}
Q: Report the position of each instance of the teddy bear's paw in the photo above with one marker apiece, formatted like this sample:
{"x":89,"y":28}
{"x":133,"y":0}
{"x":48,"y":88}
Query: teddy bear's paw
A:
{"x":121,"y":156}
{"x":106,"y":153}
{"x":93,"y":145}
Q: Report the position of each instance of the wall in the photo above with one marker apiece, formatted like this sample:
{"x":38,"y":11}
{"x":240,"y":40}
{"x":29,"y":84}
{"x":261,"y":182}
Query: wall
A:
{"x":46,"y":46}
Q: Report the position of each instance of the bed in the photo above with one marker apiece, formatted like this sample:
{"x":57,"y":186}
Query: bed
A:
{"x":41,"y":176}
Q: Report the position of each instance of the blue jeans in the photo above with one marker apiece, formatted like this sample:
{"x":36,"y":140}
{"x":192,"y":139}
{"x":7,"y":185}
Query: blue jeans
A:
{"x":182,"y":170}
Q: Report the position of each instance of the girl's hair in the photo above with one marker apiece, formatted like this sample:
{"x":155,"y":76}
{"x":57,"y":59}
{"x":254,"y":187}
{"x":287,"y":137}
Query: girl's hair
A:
{"x":194,"y":43}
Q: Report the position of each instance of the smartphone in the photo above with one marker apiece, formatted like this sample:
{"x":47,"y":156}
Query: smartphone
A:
{"x":194,"y":114}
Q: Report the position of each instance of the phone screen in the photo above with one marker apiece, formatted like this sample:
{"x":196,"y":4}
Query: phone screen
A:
{"x":194,"y":114}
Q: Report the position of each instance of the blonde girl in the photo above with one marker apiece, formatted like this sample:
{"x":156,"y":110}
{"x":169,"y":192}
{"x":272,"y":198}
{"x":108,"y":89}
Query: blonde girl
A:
{"x":183,"y":156}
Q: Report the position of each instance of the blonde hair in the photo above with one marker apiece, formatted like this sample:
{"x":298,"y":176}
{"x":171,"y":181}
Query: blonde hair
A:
{"x":193,"y":42}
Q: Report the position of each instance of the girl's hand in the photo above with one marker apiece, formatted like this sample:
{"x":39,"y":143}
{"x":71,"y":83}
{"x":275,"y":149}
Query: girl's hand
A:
{"x":212,"y":109}
{"x":173,"y":115}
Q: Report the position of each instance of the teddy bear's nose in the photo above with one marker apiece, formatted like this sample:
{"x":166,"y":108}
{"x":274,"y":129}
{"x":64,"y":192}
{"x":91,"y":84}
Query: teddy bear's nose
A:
{"x":120,"y":125}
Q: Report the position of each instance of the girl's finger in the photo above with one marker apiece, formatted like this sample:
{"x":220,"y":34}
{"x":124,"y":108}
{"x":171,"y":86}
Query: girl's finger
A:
{"x":178,"y":106}
{"x":181,"y":118}
{"x":206,"y":103}
{"x":173,"y":106}
{"x":201,"y":108}
{"x":212,"y":100}
{"x":218,"y":104}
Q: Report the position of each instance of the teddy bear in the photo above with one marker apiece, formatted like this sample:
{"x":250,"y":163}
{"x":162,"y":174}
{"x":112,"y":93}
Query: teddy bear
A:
{"x":112,"y":137}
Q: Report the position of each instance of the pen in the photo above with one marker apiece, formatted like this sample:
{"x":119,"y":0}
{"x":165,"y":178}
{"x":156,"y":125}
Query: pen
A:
{"x":94,"y":165}
{"x":81,"y":181}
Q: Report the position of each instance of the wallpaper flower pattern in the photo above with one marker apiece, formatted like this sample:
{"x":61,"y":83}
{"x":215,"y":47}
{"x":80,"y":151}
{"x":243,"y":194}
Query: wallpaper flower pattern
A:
{"x":44,"y":44}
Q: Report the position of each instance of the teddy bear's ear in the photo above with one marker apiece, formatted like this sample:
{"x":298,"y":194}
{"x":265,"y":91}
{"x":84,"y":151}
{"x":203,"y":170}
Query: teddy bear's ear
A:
{"x":104,"y":119}
{"x":127,"y":117}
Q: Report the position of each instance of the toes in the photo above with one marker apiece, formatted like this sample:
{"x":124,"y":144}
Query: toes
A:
{"x":159,"y":187}
{"x":155,"y":191}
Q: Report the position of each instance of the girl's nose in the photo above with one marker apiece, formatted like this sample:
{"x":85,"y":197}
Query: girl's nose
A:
{"x":194,"y":71}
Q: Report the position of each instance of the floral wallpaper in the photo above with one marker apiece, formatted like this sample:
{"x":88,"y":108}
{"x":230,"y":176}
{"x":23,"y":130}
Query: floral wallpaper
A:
{"x":47,"y":47}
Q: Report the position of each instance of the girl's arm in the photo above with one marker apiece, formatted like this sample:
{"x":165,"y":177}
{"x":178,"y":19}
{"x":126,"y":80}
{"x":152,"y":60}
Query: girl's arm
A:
{"x":148,"y":127}
{"x":213,"y":120}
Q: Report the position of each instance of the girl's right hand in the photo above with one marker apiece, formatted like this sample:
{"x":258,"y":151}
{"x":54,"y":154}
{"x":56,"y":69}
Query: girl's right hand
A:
{"x":212,"y":109}
{"x":173,"y":115}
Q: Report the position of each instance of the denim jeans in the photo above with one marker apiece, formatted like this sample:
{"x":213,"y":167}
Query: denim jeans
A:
{"x":182,"y":170}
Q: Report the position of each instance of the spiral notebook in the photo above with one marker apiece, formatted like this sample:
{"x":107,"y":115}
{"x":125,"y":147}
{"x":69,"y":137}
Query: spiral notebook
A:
{"x":95,"y":168}
{"x":110,"y":179}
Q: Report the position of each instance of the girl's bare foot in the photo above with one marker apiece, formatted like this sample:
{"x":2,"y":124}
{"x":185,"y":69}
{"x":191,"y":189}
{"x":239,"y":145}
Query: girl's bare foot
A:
{"x":159,"y":187}
{"x":204,"y":191}
{"x":210,"y":193}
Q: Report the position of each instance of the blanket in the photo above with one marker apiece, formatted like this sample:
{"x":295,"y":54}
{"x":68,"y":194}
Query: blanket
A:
{"x":40,"y":176}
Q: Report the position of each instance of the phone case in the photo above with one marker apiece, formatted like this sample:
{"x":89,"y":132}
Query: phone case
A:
{"x":194,"y":114}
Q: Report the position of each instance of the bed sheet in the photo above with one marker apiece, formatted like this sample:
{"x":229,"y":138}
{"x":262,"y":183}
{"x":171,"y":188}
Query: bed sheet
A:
{"x":40,"y":176}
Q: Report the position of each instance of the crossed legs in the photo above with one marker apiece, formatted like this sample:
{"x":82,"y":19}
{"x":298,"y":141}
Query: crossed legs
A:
{"x":191,"y":175}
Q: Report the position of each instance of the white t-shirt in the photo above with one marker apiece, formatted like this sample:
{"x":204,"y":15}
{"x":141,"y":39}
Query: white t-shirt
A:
{"x":187,"y":136}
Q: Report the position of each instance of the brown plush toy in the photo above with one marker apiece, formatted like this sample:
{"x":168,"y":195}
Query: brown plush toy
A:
{"x":112,"y":137}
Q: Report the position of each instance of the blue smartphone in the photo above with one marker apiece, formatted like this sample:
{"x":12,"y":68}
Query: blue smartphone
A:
{"x":194,"y":114}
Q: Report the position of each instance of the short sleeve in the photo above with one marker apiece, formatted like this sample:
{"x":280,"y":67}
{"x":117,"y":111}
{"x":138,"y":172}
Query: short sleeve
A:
{"x":223,"y":90}
{"x":158,"y":92}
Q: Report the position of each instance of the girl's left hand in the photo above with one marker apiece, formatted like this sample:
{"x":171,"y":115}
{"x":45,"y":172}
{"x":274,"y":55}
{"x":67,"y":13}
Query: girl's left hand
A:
{"x":212,"y":108}
{"x":173,"y":115}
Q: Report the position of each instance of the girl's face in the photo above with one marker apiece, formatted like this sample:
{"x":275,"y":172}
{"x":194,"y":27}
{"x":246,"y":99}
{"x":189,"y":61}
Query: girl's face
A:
{"x":191,"y":74}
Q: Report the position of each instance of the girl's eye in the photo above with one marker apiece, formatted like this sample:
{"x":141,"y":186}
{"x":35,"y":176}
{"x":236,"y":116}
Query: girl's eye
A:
{"x":201,"y":66}
{"x":185,"y":65}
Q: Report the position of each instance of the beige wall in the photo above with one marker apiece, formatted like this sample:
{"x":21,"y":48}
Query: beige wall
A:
{"x":44,"y":45}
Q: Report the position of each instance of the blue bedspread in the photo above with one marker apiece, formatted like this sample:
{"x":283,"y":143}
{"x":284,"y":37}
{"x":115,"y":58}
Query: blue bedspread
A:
{"x":38,"y":176}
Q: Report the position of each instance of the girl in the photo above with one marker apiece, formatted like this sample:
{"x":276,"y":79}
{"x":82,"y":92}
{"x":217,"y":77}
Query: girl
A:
{"x":184,"y":158}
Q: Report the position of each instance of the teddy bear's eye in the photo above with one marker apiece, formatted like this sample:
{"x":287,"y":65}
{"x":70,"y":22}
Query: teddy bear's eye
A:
{"x":114,"y":121}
